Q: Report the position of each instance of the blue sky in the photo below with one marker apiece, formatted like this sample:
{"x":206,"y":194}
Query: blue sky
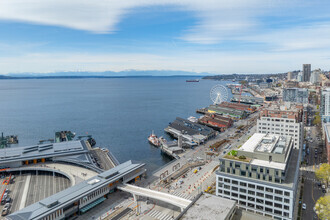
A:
{"x":215,"y":36}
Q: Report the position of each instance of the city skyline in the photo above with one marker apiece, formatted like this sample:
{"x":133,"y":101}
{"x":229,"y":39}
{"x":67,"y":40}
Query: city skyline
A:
{"x":210,"y":36}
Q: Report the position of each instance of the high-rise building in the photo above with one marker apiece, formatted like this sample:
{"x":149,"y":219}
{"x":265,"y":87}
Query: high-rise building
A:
{"x":325,"y":105}
{"x":299,"y":95}
{"x":300,"y":77}
{"x":283,"y":120}
{"x":315,"y":76}
{"x":306,"y":72}
{"x":262,"y":176}
{"x":289,"y":76}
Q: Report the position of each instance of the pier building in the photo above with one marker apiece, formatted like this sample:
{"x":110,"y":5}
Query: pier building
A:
{"x":190,"y":130}
{"x":73,"y":152}
{"x":234,"y":113}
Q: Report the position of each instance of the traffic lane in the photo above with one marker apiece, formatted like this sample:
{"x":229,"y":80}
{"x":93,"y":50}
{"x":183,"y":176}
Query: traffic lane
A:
{"x":308,"y":197}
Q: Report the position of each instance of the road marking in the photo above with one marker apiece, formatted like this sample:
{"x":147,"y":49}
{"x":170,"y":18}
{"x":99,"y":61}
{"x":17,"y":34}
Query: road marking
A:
{"x":25,"y":192}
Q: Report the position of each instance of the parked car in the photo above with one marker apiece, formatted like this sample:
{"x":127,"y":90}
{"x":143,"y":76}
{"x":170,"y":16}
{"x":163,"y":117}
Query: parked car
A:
{"x":304,"y":206}
{"x":8,"y":200}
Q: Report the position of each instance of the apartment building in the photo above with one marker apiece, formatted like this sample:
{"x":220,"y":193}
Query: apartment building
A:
{"x":262,"y":176}
{"x":284,"y":119}
{"x":325,"y":105}
{"x":299,"y":95}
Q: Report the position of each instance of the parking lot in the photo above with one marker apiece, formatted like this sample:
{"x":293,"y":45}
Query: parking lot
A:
{"x":39,"y":187}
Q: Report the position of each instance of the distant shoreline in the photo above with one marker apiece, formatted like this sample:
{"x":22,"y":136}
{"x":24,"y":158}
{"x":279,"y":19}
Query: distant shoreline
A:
{"x":90,"y":77}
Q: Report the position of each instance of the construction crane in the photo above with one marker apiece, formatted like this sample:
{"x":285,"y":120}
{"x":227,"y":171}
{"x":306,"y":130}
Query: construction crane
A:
{"x":240,"y":94}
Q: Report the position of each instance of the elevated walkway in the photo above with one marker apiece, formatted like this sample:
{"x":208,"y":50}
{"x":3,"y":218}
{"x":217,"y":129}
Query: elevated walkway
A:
{"x":168,"y":198}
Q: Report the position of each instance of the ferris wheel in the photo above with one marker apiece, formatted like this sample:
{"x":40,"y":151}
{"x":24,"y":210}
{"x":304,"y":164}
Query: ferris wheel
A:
{"x":218,"y":94}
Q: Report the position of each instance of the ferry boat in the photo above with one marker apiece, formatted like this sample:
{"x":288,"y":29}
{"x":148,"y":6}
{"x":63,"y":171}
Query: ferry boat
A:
{"x":153,"y":140}
{"x":192,"y":80}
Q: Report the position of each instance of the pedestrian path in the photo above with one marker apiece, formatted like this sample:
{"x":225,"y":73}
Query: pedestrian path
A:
{"x":159,"y":215}
{"x":183,"y":195}
{"x":312,"y":179}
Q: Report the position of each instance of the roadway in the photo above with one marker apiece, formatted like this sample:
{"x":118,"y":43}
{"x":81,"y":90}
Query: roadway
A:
{"x":311,"y":192}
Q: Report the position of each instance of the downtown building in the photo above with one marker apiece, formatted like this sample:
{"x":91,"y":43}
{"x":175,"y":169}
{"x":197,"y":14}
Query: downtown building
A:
{"x":262,"y":176}
{"x":299,"y":95}
{"x":306,"y":72}
{"x":284,"y":120}
{"x":325,"y":105}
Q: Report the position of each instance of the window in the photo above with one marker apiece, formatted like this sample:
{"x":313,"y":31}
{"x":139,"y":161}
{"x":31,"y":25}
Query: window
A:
{"x":269,"y":189}
{"x":278,"y":192}
{"x":259,"y":207}
{"x":237,"y":165}
{"x":287,"y":193}
{"x":278,"y":198}
{"x":251,"y":199}
{"x":277,"y":212}
{"x":286,"y":200}
{"x":277,"y":205}
{"x":242,"y":184}
{"x":260,"y":201}
{"x":270,"y":178}
{"x":251,"y":192}
{"x":286,"y":214}
{"x":226,"y":186}
{"x":220,"y":191}
{"x":261,"y":170}
{"x":242,"y":190}
{"x":243,"y":173}
{"x":242,"y":196}
{"x":260,"y":194}
{"x":242,"y":203}
{"x":234,"y":182}
{"x":268,"y":203}
{"x":227,"y":180}
{"x":234,"y":195}
{"x":268,"y":196}
{"x":286,"y":207}
{"x":251,"y":186}
{"x":251,"y":205}
{"x":260,"y":188}
{"x":226,"y":192}
{"x":268,"y":209}
{"x":234,"y":188}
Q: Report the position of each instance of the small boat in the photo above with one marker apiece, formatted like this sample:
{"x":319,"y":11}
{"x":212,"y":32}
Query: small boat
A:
{"x":193,"y":119}
{"x":192,"y":80}
{"x":153,"y":140}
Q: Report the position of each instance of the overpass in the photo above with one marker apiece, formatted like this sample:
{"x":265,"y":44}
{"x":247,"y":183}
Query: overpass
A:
{"x":168,"y":198}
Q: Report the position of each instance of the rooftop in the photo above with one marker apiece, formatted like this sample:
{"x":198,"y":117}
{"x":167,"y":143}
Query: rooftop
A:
{"x":210,"y":207}
{"x":59,"y":200}
{"x":42,"y":151}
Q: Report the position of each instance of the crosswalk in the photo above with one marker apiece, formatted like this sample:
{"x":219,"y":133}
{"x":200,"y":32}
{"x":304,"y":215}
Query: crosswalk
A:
{"x":159,"y":215}
{"x":182,"y":195}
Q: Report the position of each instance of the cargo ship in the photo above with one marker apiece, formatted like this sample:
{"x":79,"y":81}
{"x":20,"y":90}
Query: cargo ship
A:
{"x":153,"y":139}
{"x":192,"y":80}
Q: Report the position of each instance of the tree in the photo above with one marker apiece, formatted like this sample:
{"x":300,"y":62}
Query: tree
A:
{"x":323,"y":173}
{"x":317,"y":120}
{"x":322,"y":207}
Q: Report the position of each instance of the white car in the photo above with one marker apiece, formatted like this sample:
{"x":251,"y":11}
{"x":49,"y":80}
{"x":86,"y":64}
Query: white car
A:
{"x":304,"y":206}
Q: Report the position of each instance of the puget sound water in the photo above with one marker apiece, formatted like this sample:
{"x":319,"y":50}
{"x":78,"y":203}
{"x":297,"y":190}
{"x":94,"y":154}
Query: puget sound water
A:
{"x":120,"y":113}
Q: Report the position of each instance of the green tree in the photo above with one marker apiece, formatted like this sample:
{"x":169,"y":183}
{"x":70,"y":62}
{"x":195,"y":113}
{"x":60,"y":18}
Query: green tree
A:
{"x":322,"y":207}
{"x":323,"y":173}
{"x":317,"y":120}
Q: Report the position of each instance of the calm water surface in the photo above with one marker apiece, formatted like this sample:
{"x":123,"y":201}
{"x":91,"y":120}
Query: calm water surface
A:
{"x":119,"y":113}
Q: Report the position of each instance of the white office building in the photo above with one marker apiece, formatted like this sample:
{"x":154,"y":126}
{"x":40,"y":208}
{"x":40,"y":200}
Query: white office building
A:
{"x":325,"y":105}
{"x":262,"y":177}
